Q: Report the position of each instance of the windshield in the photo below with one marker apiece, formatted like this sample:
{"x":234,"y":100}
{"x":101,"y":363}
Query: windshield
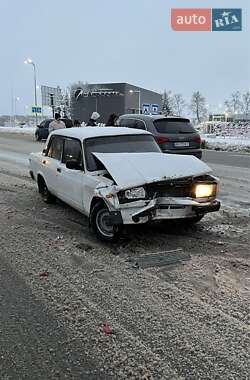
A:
{"x":174,"y":126}
{"x":117,"y":144}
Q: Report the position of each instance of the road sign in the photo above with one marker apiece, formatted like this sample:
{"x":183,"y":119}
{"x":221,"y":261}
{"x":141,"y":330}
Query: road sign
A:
{"x":154,"y":109}
{"x":146,"y":109}
{"x":36,"y":109}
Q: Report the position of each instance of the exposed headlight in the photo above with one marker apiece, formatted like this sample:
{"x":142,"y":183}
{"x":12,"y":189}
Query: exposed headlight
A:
{"x":136,"y":193}
{"x":205,"y":190}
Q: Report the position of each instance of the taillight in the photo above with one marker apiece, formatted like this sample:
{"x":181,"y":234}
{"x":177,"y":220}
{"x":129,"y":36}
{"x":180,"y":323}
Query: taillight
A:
{"x":161,"y":139}
{"x":197,"y":139}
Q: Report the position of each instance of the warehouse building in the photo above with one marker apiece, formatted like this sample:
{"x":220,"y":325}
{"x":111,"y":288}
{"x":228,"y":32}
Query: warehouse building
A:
{"x":108,"y":98}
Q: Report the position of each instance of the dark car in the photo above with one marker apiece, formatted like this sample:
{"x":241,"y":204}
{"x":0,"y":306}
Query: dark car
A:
{"x":42,"y":130}
{"x":173,"y":134}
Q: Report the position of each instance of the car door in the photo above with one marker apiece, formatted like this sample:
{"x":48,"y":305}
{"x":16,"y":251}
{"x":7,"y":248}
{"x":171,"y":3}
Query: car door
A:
{"x":51,"y":162}
{"x":70,"y":181}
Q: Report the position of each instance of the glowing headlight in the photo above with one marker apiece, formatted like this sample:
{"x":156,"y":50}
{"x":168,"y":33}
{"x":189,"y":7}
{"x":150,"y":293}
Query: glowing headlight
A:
{"x":205,"y":191}
{"x":136,"y":193}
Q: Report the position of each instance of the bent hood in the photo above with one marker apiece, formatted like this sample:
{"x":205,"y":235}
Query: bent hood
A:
{"x":135,"y":169}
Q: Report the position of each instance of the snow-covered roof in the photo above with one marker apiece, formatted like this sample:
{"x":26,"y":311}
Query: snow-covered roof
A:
{"x":86,"y":132}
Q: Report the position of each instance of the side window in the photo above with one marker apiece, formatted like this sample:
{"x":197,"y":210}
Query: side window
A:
{"x":55,"y":147}
{"x":139,"y":124}
{"x":129,"y":123}
{"x":72,"y":151}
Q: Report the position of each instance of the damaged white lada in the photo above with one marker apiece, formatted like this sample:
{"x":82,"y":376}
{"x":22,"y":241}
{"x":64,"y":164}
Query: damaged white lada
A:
{"x":117,"y":176}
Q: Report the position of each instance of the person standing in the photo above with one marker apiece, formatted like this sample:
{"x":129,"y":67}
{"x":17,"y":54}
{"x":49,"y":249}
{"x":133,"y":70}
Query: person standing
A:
{"x":92,"y":121}
{"x":77,"y":123}
{"x":56,"y":124}
{"x":112,"y":120}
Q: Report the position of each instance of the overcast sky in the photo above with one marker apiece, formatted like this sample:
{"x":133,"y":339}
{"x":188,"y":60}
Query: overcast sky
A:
{"x":119,"y":41}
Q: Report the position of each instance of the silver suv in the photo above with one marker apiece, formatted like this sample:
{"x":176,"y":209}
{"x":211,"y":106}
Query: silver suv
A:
{"x":173,"y":134}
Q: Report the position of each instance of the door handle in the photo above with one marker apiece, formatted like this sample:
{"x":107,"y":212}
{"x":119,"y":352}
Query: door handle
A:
{"x":44,"y":162}
{"x":59,"y":170}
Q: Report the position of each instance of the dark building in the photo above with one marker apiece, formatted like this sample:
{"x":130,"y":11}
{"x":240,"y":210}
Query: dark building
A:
{"x":108,"y":98}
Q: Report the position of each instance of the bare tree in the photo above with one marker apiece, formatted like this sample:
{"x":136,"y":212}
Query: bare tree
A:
{"x":179,"y":104}
{"x":167,"y":103}
{"x":234,"y":104}
{"x":246,"y":103}
{"x":198,"y":106}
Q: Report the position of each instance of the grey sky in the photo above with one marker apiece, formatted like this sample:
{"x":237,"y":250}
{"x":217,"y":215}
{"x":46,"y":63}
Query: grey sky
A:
{"x":122,"y":41}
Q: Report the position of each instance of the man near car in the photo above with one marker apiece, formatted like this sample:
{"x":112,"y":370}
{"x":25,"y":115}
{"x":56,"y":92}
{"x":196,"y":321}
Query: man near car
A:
{"x":92,"y":121}
{"x":56,"y":124}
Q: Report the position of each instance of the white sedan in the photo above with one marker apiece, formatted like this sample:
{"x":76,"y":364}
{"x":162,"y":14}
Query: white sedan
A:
{"x":118,"y":176}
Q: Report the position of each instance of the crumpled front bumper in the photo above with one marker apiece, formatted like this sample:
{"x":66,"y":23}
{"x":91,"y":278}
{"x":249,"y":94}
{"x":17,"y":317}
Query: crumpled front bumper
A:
{"x":164,"y":209}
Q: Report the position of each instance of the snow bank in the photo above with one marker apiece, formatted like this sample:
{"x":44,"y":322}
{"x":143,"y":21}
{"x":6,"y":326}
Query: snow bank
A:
{"x":19,"y":130}
{"x":227,"y":143}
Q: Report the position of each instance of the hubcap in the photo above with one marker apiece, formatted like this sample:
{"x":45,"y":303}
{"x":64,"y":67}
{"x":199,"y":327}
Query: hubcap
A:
{"x":103,"y":223}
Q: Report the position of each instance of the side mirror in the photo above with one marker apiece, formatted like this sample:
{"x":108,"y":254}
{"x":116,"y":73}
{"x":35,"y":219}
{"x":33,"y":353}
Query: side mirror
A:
{"x":39,"y":126}
{"x":44,"y":151}
{"x":73,"y":165}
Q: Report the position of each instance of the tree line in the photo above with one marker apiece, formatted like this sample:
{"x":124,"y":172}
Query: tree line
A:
{"x":175,"y":104}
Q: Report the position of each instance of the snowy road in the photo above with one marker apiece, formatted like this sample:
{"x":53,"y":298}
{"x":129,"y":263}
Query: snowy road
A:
{"x":188,"y":320}
{"x":233,"y":169}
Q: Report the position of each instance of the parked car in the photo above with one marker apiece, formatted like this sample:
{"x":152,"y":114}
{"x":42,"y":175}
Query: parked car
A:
{"x":173,"y":134}
{"x":42,"y":130}
{"x":117,"y":176}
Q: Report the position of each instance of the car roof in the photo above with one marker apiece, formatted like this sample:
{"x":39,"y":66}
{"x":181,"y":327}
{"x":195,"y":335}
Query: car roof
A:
{"x":150,"y":117}
{"x":87,"y":132}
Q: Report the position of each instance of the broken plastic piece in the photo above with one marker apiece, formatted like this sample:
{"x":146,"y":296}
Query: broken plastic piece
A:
{"x":44,"y":274}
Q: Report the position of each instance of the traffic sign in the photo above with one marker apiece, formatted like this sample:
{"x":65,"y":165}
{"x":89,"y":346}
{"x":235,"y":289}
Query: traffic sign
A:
{"x":154,"y":109}
{"x":146,"y":109}
{"x":36,"y":109}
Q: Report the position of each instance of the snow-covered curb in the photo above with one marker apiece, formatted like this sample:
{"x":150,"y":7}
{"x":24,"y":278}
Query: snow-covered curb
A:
{"x":18,"y":130}
{"x":230,"y":144}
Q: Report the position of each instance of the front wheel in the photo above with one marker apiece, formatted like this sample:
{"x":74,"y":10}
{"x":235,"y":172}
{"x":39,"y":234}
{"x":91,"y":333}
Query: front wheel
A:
{"x":101,"y":224}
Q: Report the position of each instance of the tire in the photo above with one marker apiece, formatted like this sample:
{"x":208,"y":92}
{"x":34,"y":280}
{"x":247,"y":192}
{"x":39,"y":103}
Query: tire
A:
{"x":46,"y":195}
{"x":100,"y":225}
{"x":37,"y":137}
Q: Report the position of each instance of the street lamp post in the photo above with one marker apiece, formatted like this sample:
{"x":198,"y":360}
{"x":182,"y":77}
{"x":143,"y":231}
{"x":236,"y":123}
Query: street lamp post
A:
{"x":15,"y":109}
{"x":30,"y":62}
{"x":139,"y":95}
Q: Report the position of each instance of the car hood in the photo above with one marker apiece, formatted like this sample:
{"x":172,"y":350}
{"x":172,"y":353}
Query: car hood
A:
{"x":135,"y":169}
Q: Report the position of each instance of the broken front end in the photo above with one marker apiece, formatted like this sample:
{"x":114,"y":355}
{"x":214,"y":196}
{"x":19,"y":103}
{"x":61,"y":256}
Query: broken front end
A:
{"x":170,"y":199}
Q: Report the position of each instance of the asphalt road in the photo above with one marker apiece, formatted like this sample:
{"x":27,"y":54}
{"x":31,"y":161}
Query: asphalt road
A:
{"x":241,"y":160}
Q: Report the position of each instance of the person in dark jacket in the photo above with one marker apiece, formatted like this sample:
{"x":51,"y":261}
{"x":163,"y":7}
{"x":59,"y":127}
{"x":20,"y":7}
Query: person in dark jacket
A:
{"x":77,"y":123}
{"x":92,"y":121}
{"x":111,"y":120}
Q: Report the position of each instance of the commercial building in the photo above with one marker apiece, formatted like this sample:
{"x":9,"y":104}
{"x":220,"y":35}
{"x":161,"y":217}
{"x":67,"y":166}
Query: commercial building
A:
{"x":108,"y":98}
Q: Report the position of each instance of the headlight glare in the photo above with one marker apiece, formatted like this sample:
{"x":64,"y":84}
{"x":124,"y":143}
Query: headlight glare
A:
{"x":136,"y":193}
{"x":205,"y":190}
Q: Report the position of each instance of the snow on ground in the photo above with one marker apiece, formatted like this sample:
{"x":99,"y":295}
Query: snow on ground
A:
{"x":227,"y":143}
{"x":19,"y":130}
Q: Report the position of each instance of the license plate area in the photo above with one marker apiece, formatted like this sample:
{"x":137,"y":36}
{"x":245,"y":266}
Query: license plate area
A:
{"x":181,"y":144}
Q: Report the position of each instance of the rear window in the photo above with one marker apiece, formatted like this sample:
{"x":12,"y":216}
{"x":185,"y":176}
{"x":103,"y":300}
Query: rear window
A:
{"x":174,"y":126}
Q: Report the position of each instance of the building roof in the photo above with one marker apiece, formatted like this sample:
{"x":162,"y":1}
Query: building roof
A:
{"x":86,"y":132}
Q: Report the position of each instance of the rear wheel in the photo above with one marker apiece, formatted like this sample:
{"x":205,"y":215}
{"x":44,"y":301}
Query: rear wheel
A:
{"x":101,"y":224}
{"x":45,"y":193}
